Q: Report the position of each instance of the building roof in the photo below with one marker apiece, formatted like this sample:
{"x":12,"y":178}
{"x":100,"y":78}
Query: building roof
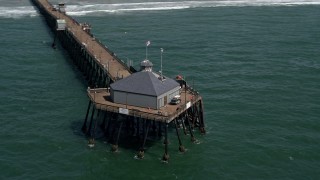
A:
{"x":144,"y":82}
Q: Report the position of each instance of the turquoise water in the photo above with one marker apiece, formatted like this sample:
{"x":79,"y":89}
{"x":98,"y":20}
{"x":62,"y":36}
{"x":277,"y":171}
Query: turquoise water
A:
{"x":256,"y":65}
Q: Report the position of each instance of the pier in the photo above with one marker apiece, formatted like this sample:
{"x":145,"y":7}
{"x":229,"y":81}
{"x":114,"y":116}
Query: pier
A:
{"x":114,"y":107}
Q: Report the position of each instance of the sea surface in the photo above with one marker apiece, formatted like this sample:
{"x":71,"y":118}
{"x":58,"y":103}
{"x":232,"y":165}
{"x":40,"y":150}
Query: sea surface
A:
{"x":256,"y":64}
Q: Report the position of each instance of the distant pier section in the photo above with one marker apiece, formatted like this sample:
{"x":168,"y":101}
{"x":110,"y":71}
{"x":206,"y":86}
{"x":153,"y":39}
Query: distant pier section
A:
{"x":95,"y":60}
{"x":122,"y":100}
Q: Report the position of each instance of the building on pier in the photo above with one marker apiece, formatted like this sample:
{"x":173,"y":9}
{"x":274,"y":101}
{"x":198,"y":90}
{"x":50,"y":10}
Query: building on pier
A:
{"x":62,"y":7}
{"x":61,"y":24}
{"x":144,"y":89}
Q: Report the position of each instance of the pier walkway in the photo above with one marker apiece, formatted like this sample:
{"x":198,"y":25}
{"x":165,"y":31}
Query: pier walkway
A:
{"x":104,"y":57}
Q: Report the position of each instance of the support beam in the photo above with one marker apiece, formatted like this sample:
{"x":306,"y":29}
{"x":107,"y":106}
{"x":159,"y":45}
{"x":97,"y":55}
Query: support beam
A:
{"x":165,"y":156}
{"x":88,"y":130}
{"x":103,"y":124}
{"x":181,"y":147}
{"x":193,"y":139}
{"x":84,"y":126}
{"x":160,"y":129}
{"x":184,"y":125}
{"x":95,"y":124}
{"x":91,"y":141}
{"x":138,"y":128}
{"x":114,"y":147}
{"x":141,"y":151}
{"x":202,"y":130}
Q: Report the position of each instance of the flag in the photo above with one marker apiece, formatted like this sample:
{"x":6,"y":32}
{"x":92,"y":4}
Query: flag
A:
{"x":148,"y":43}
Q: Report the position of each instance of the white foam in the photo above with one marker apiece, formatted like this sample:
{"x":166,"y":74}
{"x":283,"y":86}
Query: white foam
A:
{"x":83,"y":9}
{"x":125,"y":7}
{"x":17,"y":12}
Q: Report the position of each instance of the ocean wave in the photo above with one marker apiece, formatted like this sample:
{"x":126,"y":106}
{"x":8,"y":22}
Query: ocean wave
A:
{"x":125,"y":7}
{"x":81,"y":8}
{"x":17,"y":12}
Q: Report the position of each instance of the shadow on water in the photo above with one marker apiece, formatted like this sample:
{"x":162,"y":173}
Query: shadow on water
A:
{"x":75,"y":126}
{"x":78,"y":73}
{"x":127,"y":140}
{"x":57,"y":48}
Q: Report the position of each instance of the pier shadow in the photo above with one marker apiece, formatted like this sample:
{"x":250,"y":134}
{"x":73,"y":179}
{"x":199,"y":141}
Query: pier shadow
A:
{"x":126,"y":140}
{"x":76,"y":126}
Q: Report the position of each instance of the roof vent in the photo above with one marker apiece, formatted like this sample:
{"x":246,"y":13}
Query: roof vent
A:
{"x":146,"y":65}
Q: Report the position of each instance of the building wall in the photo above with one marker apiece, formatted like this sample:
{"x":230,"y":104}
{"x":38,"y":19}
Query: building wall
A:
{"x":134,"y":99}
{"x":143,"y":100}
{"x":169,"y":94}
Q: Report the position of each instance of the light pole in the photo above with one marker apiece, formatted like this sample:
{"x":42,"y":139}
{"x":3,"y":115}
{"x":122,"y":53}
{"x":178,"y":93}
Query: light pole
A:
{"x":161,"y":64}
{"x":147,"y":44}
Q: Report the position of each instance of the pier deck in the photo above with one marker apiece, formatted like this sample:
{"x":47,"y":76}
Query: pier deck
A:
{"x":166,"y":114}
{"x":104,"y":57}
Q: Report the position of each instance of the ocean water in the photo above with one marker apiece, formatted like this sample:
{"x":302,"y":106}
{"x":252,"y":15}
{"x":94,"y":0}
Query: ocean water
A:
{"x":256,"y":64}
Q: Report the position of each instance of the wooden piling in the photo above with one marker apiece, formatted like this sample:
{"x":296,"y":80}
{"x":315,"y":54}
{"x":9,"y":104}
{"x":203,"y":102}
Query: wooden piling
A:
{"x":84,"y":126}
{"x":90,"y":123}
{"x":165,"y":156}
{"x":181,"y":147}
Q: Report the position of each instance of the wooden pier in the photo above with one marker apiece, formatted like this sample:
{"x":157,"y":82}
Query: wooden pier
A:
{"x":101,"y":68}
{"x":100,"y":65}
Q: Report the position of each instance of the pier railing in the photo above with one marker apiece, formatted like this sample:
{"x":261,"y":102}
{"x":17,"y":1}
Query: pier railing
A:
{"x":162,"y":116}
